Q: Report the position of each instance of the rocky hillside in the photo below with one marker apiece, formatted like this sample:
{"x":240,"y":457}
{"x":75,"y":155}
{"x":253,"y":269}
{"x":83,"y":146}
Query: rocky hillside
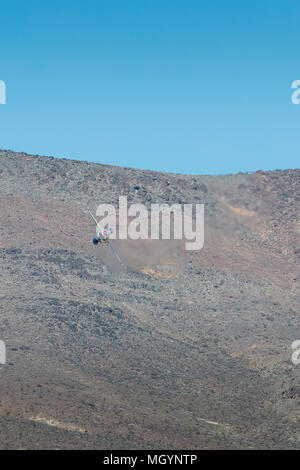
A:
{"x":178,"y":349}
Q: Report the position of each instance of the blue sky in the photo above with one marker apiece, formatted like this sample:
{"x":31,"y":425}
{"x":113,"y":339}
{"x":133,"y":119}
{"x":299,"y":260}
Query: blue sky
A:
{"x":185,"y":86}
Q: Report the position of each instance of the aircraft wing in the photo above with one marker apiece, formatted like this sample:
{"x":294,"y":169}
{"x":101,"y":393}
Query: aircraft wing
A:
{"x":115,"y":253}
{"x":99,"y":235}
{"x":92,"y":216}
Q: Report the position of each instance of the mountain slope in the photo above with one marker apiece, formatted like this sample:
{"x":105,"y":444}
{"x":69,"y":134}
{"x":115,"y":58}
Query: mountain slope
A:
{"x":179,"y":350}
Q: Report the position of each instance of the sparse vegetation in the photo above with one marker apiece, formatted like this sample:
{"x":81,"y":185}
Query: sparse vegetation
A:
{"x":182,"y":350}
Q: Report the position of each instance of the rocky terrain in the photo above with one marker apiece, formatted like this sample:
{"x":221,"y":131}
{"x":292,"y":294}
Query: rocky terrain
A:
{"x":179,"y":349}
